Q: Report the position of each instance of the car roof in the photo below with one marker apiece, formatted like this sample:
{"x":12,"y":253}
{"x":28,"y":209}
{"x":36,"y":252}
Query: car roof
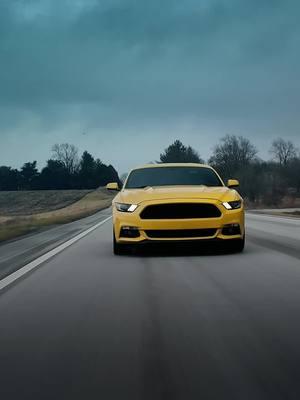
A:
{"x":164,"y":165}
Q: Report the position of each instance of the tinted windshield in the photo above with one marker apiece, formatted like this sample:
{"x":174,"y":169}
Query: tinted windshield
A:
{"x":166,"y":176}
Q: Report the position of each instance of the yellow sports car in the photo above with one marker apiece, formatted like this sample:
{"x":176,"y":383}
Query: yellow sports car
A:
{"x":177,"y":202}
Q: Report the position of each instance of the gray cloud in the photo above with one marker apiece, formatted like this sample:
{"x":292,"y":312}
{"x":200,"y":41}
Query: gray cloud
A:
{"x":152,"y":71}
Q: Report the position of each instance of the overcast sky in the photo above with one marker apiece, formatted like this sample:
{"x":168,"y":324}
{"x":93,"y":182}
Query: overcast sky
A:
{"x":124,"y":78}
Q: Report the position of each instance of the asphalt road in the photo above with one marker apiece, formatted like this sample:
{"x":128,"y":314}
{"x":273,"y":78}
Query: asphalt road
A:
{"x":163,"y":325}
{"x":14,"y":254}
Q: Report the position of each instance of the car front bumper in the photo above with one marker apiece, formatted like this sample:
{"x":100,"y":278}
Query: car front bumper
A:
{"x":209,"y":228}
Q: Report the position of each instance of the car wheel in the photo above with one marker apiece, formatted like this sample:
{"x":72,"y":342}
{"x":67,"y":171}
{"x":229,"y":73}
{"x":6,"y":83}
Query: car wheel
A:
{"x":238,"y":245}
{"x":119,"y":249}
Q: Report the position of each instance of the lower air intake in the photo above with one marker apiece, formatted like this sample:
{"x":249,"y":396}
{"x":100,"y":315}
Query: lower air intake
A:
{"x":180,"y":233}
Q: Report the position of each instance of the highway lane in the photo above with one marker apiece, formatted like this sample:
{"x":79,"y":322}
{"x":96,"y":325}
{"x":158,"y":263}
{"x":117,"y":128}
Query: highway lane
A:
{"x":278,"y":233}
{"x":88,"y":325}
{"x":14,"y":254}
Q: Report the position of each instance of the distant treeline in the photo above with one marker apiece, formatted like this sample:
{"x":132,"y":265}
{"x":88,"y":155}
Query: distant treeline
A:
{"x":262,"y":182}
{"x":65,"y":170}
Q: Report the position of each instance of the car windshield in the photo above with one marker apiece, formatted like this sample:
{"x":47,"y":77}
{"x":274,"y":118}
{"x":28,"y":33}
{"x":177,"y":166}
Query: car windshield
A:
{"x":169,"y":176}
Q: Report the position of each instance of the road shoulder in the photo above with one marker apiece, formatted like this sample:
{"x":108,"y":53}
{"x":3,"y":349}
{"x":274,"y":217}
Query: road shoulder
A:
{"x":17,"y":253}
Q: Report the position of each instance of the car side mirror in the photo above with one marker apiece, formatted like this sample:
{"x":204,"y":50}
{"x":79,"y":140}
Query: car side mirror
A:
{"x":113,"y":186}
{"x":232,"y":183}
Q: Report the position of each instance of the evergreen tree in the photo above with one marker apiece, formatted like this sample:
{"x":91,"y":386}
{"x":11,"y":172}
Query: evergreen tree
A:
{"x":178,"y":153}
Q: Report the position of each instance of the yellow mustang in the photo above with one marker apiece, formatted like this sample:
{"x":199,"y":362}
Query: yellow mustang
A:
{"x":177,"y":202}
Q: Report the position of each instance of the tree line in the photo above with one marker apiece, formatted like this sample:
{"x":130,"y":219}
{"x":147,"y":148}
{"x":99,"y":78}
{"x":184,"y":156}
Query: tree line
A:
{"x":261,"y":181}
{"x":64,"y":170}
{"x":265,"y":182}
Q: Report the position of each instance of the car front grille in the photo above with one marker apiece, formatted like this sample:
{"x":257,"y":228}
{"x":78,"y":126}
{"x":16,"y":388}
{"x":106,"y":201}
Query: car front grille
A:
{"x":180,"y":233}
{"x":180,"y":211}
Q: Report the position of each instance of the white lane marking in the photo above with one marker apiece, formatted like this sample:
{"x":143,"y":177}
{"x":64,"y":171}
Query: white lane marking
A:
{"x":35,"y":263}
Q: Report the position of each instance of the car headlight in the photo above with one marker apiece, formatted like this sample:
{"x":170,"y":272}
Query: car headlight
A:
{"x":126,"y":207}
{"x":232,"y":205}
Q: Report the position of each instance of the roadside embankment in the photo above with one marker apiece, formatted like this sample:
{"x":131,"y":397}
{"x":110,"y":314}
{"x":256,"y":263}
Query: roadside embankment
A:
{"x":12,"y":226}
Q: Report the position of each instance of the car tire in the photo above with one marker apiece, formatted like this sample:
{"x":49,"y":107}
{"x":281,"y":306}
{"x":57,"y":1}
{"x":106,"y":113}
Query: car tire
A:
{"x":238,"y":245}
{"x":119,"y":249}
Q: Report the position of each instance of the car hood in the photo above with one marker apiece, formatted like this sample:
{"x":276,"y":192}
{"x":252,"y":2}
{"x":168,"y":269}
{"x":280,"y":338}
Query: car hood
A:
{"x":136,"y":196}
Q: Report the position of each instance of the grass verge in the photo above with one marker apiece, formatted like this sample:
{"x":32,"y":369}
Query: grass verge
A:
{"x":14,"y":226}
{"x":28,"y":202}
{"x":293,"y":213}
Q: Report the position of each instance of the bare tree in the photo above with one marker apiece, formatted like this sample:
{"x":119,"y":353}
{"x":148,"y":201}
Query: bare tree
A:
{"x":233,"y":154}
{"x":68,"y":155}
{"x":283,"y":151}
